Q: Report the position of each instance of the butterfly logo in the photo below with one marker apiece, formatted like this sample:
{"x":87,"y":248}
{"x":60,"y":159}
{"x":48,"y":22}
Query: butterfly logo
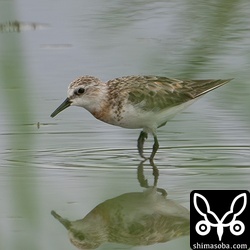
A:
{"x":210,"y":219}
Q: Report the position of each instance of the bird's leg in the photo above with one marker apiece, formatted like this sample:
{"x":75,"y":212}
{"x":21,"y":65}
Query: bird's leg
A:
{"x":140,"y":142}
{"x":155,"y":171}
{"x":155,"y":147}
{"x":140,"y":175}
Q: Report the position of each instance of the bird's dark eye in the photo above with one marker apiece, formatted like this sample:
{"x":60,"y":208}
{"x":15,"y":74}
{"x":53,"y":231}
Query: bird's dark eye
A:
{"x":79,"y":91}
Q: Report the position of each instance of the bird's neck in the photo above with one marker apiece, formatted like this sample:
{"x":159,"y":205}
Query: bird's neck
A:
{"x":100,"y":107}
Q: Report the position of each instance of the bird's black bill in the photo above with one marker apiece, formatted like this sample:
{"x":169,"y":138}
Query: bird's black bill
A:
{"x":63,"y":106}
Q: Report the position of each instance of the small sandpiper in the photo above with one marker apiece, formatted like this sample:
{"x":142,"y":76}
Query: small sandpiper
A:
{"x":146,"y":102}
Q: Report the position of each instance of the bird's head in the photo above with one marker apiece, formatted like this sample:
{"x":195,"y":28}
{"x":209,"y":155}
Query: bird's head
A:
{"x":85,"y":92}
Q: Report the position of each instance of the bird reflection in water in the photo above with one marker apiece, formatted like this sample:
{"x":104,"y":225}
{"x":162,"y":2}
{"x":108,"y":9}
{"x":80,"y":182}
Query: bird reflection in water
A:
{"x":138,"y":218}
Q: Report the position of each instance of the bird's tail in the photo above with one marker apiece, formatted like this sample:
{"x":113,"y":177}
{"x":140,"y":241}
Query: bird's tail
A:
{"x":201,"y":87}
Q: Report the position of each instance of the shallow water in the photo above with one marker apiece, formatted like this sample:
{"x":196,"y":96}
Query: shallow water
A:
{"x":74,"y":162}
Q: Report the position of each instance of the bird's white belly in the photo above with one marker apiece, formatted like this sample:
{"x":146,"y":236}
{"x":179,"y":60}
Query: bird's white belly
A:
{"x":149,"y":120}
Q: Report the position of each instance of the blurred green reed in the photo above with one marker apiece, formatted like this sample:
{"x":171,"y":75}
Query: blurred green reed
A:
{"x":14,"y":92}
{"x":213,"y":32}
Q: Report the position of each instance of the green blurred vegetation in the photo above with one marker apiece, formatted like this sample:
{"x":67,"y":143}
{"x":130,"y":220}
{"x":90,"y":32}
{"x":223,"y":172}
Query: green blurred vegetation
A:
{"x":211,"y":33}
{"x":23,"y":200}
